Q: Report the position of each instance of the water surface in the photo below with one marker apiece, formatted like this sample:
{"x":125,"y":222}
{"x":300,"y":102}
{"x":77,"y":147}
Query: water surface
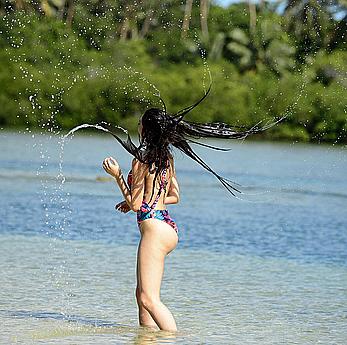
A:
{"x":270,"y":268}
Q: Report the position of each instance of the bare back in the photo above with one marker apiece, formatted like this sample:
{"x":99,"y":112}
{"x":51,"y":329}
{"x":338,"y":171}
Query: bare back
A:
{"x":149,"y":179}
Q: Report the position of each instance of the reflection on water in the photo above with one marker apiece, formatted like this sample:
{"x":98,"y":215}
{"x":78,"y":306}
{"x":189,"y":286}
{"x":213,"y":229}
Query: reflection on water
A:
{"x":270,"y":269}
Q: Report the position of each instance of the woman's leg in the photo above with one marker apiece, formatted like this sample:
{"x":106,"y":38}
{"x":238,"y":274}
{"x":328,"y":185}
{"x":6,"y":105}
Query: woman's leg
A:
{"x":145,"y":318}
{"x":157,"y":240}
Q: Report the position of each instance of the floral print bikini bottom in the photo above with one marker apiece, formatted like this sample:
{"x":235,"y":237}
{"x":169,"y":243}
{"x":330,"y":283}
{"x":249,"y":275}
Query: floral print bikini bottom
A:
{"x":145,"y":212}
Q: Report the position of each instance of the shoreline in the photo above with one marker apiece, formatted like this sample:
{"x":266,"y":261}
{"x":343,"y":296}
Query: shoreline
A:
{"x":254,"y":138}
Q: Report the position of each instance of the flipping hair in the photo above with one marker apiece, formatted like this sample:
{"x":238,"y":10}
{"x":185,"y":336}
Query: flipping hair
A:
{"x":161,"y":131}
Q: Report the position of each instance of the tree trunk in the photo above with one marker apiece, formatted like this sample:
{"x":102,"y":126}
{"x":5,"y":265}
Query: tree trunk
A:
{"x":70,"y":12}
{"x":186,"y":20}
{"x":124,"y":29}
{"x":203,"y":18}
{"x":262,"y":5}
{"x":19,"y":4}
{"x":147,"y":23}
{"x":252,"y":17}
{"x":129,"y":26}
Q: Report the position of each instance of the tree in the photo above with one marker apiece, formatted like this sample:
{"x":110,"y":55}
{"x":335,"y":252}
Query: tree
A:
{"x":252,"y":16}
{"x":268,"y":47}
{"x":203,"y":18}
{"x":186,"y":19}
{"x":128,"y":27}
{"x":147,"y":22}
{"x":309,"y":21}
{"x":19,"y":4}
{"x":69,"y":11}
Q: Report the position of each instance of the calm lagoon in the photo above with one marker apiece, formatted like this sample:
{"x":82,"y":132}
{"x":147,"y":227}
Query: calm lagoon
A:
{"x":267,"y":267}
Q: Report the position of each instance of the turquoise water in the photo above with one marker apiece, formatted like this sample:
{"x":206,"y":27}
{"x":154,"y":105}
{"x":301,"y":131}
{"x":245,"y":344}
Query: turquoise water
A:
{"x":268,"y":269}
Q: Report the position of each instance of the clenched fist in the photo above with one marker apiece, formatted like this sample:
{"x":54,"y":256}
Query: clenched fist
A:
{"x":111,"y":166}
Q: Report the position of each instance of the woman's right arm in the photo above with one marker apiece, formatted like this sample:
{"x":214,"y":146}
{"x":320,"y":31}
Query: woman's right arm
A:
{"x":134,"y":196}
{"x":173,"y":195}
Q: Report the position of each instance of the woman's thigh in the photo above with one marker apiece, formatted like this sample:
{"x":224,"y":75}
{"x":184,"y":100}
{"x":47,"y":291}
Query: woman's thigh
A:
{"x":157,"y":240}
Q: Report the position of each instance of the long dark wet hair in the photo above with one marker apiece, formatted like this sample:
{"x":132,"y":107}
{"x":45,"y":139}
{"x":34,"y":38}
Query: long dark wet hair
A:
{"x":162,"y":131}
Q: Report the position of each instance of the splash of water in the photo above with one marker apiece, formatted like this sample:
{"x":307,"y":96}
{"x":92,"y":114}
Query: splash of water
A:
{"x":71,"y":133}
{"x":203,"y":55}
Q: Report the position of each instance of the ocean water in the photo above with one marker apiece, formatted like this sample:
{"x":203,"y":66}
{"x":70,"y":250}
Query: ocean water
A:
{"x":267,"y":267}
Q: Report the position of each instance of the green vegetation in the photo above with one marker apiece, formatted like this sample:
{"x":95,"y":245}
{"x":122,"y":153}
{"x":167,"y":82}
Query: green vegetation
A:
{"x":68,"y":62}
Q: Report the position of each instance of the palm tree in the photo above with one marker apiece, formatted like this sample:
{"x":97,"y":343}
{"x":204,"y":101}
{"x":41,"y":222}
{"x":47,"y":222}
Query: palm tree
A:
{"x":267,"y":48}
{"x":252,"y":16}
{"x":203,"y":18}
{"x":19,"y":4}
{"x":129,"y":24}
{"x":149,"y":13}
{"x":69,"y":10}
{"x":186,"y":20}
{"x":309,"y":21}
{"x":147,"y":22}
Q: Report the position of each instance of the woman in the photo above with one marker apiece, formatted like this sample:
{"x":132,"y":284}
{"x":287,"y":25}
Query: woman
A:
{"x":159,"y":233}
{"x":153,"y":176}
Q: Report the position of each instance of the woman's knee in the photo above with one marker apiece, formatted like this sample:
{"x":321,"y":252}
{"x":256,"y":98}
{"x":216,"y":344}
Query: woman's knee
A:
{"x":143,"y":298}
{"x":146,"y":300}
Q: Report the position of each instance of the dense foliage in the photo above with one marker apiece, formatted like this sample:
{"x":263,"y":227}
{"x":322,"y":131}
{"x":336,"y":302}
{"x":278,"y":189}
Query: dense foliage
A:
{"x":67,"y":62}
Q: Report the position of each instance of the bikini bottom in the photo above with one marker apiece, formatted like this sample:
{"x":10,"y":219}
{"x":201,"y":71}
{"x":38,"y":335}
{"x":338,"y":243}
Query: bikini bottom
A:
{"x":145,"y":212}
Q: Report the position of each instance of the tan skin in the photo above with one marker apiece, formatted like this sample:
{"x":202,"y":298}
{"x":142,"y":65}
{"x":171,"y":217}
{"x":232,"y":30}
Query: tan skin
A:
{"x":158,"y":239}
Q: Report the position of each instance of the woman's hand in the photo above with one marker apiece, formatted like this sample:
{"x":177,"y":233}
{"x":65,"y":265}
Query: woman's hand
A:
{"x":123,"y":207}
{"x":111,"y":166}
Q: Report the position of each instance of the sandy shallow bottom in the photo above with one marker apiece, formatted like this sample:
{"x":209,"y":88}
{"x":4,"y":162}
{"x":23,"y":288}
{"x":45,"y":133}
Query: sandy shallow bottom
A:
{"x":215,"y":297}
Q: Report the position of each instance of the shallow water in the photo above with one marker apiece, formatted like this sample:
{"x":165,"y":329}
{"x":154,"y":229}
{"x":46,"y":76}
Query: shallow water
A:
{"x":269,"y":269}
